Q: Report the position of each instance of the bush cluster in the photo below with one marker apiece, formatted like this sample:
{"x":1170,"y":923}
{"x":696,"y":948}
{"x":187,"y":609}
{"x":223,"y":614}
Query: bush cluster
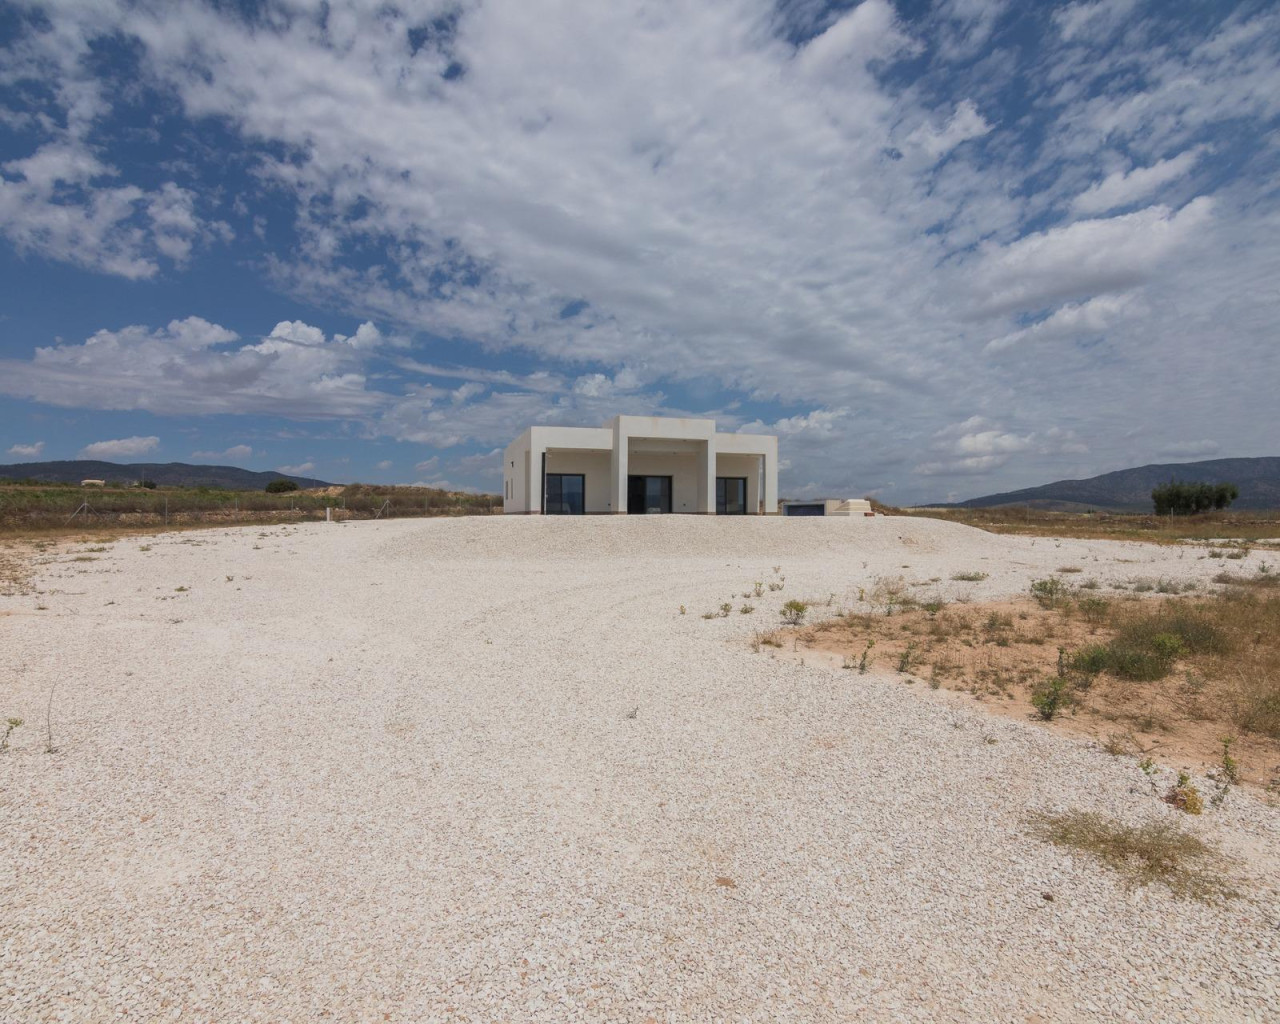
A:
{"x":1146,"y":648}
{"x":1180,"y":498}
{"x":281,"y":486}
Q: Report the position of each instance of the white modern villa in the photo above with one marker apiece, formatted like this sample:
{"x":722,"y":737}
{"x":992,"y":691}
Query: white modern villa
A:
{"x":641,"y":464}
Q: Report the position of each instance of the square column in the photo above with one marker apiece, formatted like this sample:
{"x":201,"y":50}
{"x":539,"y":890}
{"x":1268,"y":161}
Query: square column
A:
{"x":769,"y":463}
{"x":618,"y":471}
{"x":706,"y":479}
{"x":534,"y":481}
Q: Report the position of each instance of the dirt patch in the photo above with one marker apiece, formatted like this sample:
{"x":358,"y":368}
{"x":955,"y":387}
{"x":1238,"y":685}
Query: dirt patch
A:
{"x":1002,"y":654}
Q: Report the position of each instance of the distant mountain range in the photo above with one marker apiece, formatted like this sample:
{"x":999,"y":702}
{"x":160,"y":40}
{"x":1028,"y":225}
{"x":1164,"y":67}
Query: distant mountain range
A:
{"x":1129,"y":490}
{"x":168,"y":474}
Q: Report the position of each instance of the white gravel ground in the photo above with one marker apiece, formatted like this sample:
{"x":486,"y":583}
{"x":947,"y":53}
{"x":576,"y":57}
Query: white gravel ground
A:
{"x":483,"y":770}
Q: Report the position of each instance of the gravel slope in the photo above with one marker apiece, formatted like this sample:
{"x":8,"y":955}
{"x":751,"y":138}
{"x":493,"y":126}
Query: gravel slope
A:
{"x":483,"y":770}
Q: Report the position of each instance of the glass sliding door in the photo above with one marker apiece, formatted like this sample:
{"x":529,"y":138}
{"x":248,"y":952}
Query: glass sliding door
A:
{"x":648,"y":495}
{"x":731,"y":495}
{"x":566,"y":494}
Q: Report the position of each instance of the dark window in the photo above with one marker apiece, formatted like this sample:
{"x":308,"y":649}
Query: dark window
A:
{"x":648,"y":494}
{"x":566,"y":494}
{"x":731,"y":495}
{"x":817,"y":508}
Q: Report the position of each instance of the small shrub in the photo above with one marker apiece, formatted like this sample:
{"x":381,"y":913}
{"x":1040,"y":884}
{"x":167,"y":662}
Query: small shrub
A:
{"x":1184,"y":795}
{"x":793,"y":612}
{"x":1050,"y":697}
{"x":969,"y":577}
{"x":725,"y":609}
{"x":1069,"y":568}
{"x":9,"y":725}
{"x":1091,"y":660}
{"x":747,"y":609}
{"x":758,"y":589}
{"x":862,"y":662}
{"x":281,"y":486}
{"x":904,"y":659}
{"x":1048,"y":592}
{"x":1094,"y":609}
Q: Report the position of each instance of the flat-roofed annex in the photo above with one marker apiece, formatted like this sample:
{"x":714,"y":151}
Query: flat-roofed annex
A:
{"x":641,"y":464}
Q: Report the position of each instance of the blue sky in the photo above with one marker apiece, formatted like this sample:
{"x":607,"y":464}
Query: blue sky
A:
{"x":941,"y":249}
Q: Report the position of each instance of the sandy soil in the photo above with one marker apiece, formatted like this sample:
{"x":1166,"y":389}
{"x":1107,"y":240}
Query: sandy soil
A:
{"x":484,"y":770}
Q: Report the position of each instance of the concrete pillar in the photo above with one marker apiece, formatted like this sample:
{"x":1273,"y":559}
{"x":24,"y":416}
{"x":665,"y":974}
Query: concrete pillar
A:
{"x":533,"y":477}
{"x":707,"y":478}
{"x":770,"y":466}
{"x":618,"y":471}
{"x":753,"y":488}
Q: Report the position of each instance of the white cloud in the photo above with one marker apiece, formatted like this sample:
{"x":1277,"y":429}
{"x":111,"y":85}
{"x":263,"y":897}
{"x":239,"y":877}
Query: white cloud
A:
{"x":385,"y":464}
{"x":1073,"y":321}
{"x":193,"y":367}
{"x":120,"y":448}
{"x":56,"y":202}
{"x":236,"y":453}
{"x":1088,"y":257}
{"x":302,"y":469}
{"x":1122,"y":188}
{"x":27,"y":451}
{"x":965,"y":124}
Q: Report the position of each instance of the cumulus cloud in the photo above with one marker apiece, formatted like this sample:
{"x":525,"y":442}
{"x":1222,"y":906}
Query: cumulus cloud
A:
{"x":385,"y":464}
{"x":57,"y":202}
{"x":27,"y":451}
{"x":120,"y":448}
{"x":192,"y":366}
{"x":302,"y":469}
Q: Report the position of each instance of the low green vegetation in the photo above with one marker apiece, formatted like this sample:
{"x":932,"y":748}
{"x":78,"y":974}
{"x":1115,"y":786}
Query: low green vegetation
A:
{"x":1158,"y":852}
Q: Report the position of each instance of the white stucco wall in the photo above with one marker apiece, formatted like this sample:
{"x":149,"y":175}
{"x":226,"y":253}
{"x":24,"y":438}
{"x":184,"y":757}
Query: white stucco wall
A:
{"x":594,"y":466}
{"x":682,"y":467}
{"x":743,"y":465}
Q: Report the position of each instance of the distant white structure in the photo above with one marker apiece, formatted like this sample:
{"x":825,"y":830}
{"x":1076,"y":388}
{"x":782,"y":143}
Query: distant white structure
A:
{"x":828,"y":507}
{"x":640,"y":465}
{"x":93,"y":483}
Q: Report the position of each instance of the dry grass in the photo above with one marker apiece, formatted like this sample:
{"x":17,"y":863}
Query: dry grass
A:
{"x":1248,"y":525}
{"x":1161,"y":851}
{"x":1170,"y":675}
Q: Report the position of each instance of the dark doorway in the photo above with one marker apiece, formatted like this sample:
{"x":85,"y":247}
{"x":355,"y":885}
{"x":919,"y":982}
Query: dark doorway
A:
{"x":731,"y":495}
{"x":647,"y":495}
{"x":566,"y":494}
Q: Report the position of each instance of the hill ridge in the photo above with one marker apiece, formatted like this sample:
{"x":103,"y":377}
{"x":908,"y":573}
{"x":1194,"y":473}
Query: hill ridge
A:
{"x":170,"y":474}
{"x":1130,"y":489}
